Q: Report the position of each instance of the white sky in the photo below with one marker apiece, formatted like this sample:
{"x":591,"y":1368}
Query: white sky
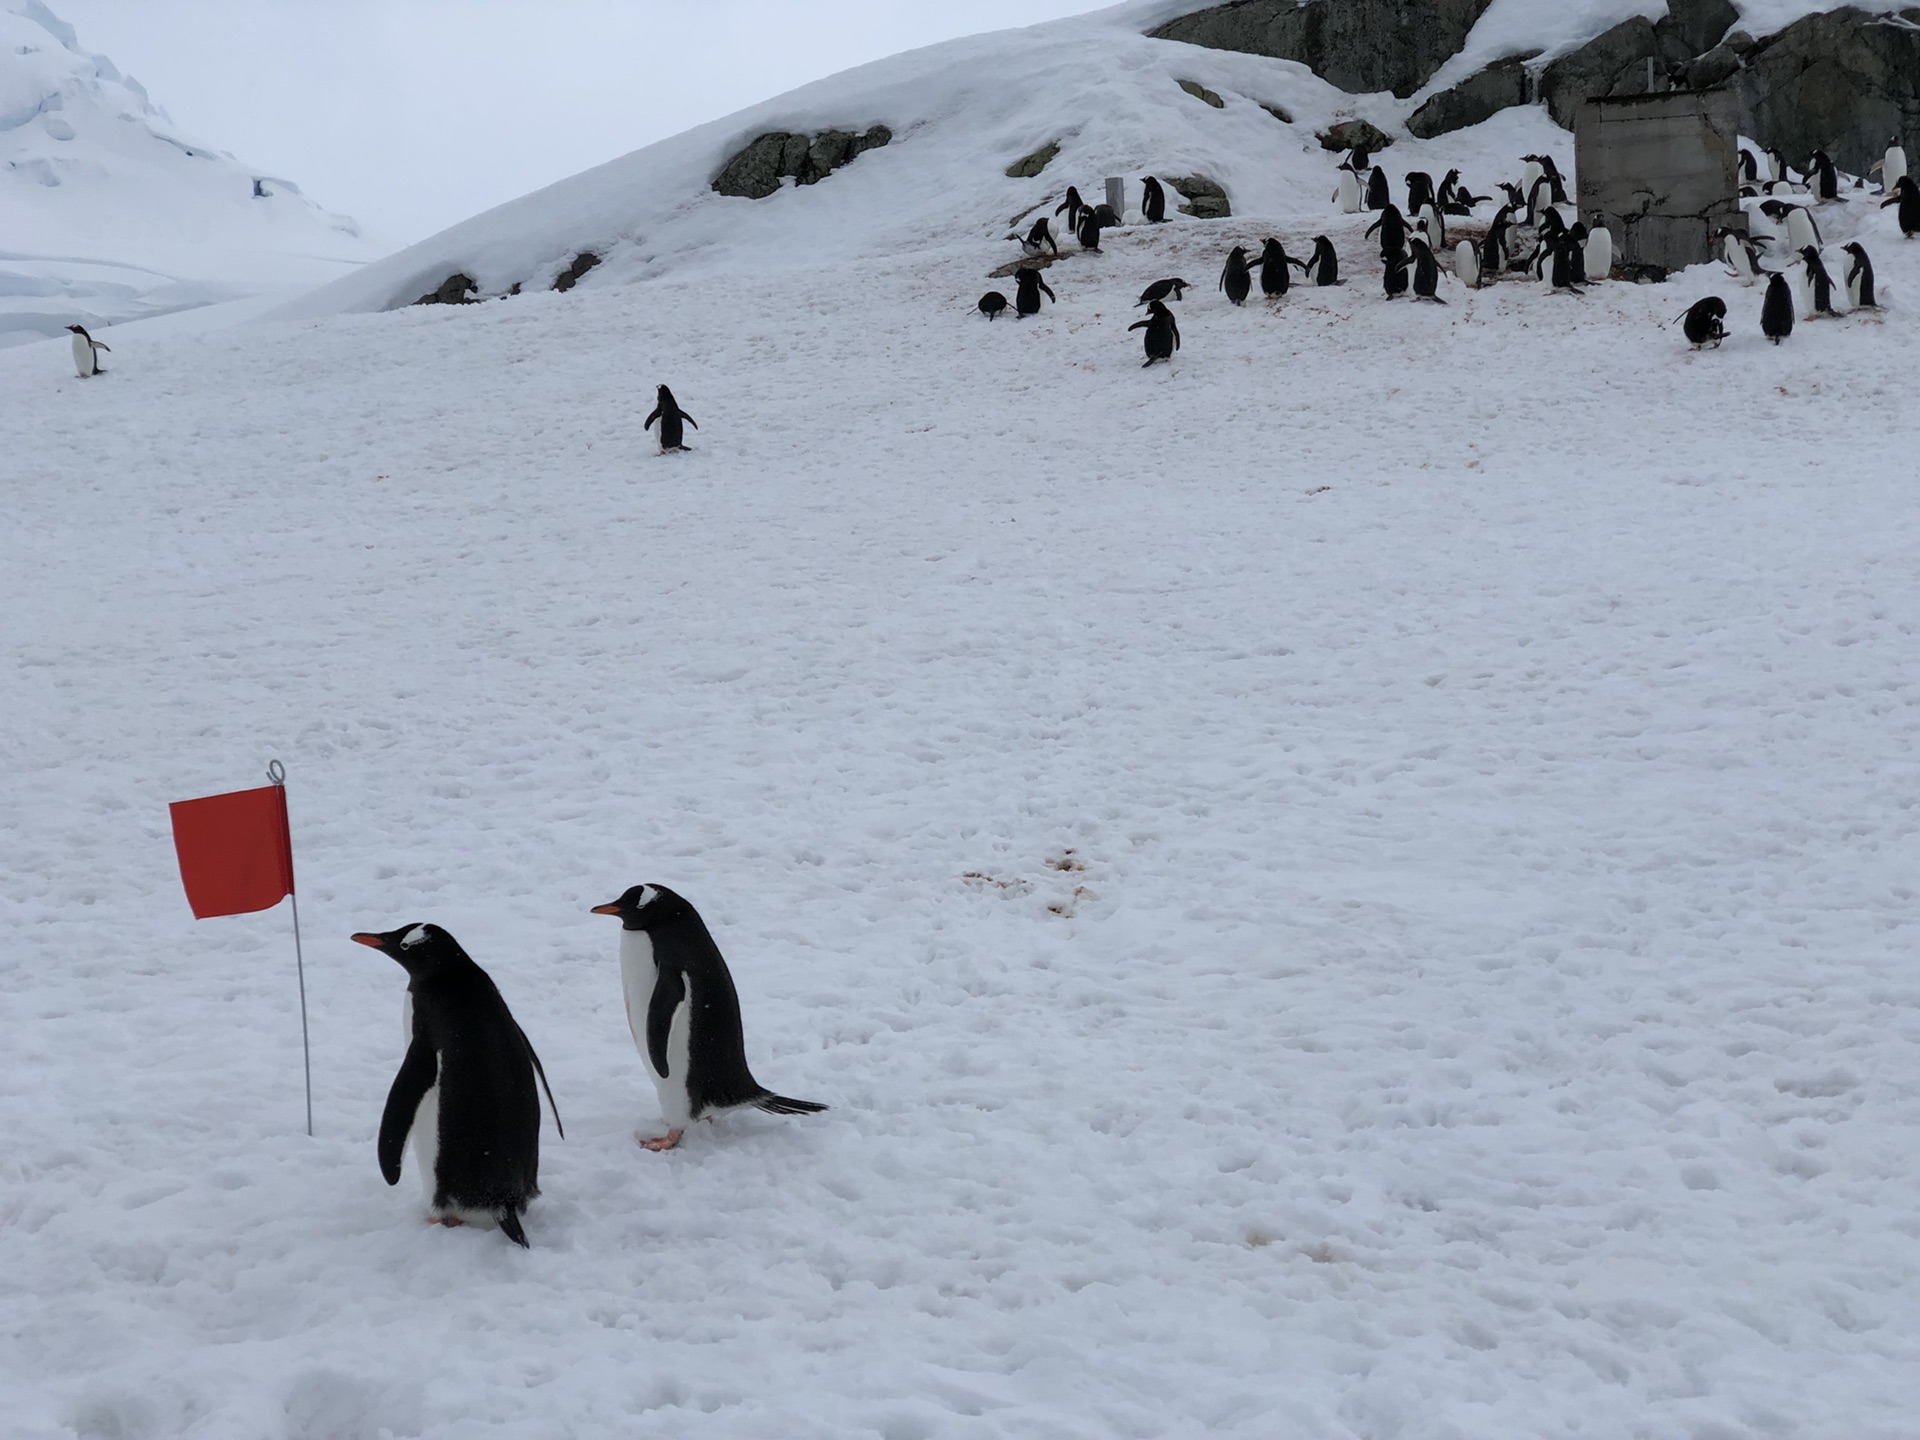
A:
{"x":411,"y":115}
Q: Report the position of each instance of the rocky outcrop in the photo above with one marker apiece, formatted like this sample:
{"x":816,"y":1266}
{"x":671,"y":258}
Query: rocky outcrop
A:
{"x":1842,"y":81}
{"x":456,"y":289}
{"x":1205,"y":198}
{"x":1358,"y":45}
{"x":756,"y":171}
{"x":570,"y":277}
{"x":1201,"y":92}
{"x":1480,"y":96}
{"x":1612,"y":63}
{"x":1696,"y":26}
{"x":1027,"y":166}
{"x":1354,"y":135}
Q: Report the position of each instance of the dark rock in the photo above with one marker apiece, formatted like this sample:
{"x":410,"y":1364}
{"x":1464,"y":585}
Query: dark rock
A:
{"x":1502,"y":84}
{"x":1842,"y":81}
{"x":756,"y":171}
{"x":1278,"y":112}
{"x":1612,"y":63}
{"x":1359,"y":45}
{"x":1712,"y":68}
{"x":1674,"y":50}
{"x":1028,"y":166}
{"x":1354,"y":135}
{"x":1200,"y":92}
{"x":1700,"y":24}
{"x":1205,"y":199}
{"x":456,"y":289}
{"x":1740,"y":42}
{"x":570,"y":277}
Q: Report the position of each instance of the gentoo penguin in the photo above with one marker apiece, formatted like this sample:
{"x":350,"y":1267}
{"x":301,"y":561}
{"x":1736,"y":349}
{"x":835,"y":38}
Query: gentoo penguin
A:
{"x":1028,"y":287}
{"x":1377,"y":197}
{"x":1392,"y":226}
{"x":1323,"y":266}
{"x":1073,"y":205}
{"x":1426,"y":272}
{"x":1235,"y":278}
{"x":86,"y":353}
{"x":1906,"y":195}
{"x":1436,"y":224}
{"x":1892,"y":165}
{"x":1153,"y":201}
{"x":1576,"y":242}
{"x":1776,"y":164}
{"x":1276,"y":268}
{"x":1819,"y":282}
{"x":1741,"y":255}
{"x":1556,"y":182}
{"x":1163,"y":333}
{"x":1599,"y":249}
{"x":1108,"y":217}
{"x":1749,"y":167}
{"x":1776,"y":311}
{"x":1419,"y":191}
{"x":1540,"y":201}
{"x":991,"y":304}
{"x":1089,"y":232}
{"x":1347,"y":193}
{"x":1160,"y":289}
{"x":1705,"y":322}
{"x":668,"y":412}
{"x":465,"y":1093}
{"x":1393,"y":276}
{"x":1797,"y":221}
{"x":1494,"y":255}
{"x":1039,"y":238}
{"x":1466,"y":264}
{"x":1823,"y":178}
{"x":684,"y":1014}
{"x":1859,"y":278}
{"x":1565,"y":268}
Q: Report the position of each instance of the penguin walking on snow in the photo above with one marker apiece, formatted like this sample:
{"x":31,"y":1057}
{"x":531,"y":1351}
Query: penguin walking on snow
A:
{"x":1072,"y":205}
{"x":1822,"y":175}
{"x":86,"y":353}
{"x":1028,"y":288}
{"x":1323,"y":266}
{"x":1906,"y":195}
{"x":684,"y":1014}
{"x":1705,"y":322}
{"x":1153,"y":201}
{"x":1392,"y":226}
{"x":1163,"y":333}
{"x":671,"y":417}
{"x":465,"y":1094}
{"x":1819,"y":281}
{"x":1235,"y":278}
{"x":1426,"y":272}
{"x":1776,"y":311}
{"x":1276,"y":268}
{"x":1859,"y":278}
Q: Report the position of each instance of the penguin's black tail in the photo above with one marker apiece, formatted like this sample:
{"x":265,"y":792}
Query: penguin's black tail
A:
{"x":510,"y":1223}
{"x":781,"y":1105}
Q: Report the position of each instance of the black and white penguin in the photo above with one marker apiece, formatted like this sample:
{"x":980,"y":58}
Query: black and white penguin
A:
{"x":86,"y":353}
{"x":1323,"y":266}
{"x":1822,"y":177}
{"x":1235,"y":278}
{"x":1108,"y":217}
{"x":1346,"y":194}
{"x":1797,"y":220}
{"x":1776,"y":311}
{"x":1705,"y":322}
{"x":1819,"y":282}
{"x":1072,"y":205}
{"x":684,"y":1014}
{"x":1430,"y":216}
{"x":1892,"y":165}
{"x":1392,"y":226}
{"x":1740,"y":253}
{"x":1426,"y":271}
{"x":1906,"y":195}
{"x":1028,"y":287}
{"x":1163,"y":333}
{"x":671,"y":417}
{"x":1860,"y":278}
{"x":1153,"y":201}
{"x":1776,"y":164}
{"x":1466,"y":264}
{"x":1494,"y":254}
{"x":1161,"y":289}
{"x":1565,"y":271}
{"x":1089,"y":232}
{"x":1419,"y":191}
{"x":466,"y":1092}
{"x":1377,"y":196}
{"x":1576,"y":242}
{"x":1749,"y":167}
{"x":1039,"y":238}
{"x":1276,"y":268}
{"x":1393,"y":274}
{"x":1556,"y":182}
{"x":1599,"y":256}
{"x":991,"y":304}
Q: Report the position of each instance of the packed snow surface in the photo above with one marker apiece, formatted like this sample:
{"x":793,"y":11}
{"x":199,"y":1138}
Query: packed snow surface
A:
{"x":1359,"y":884}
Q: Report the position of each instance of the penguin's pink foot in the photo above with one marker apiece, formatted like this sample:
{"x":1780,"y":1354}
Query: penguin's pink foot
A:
{"x":447,"y":1220}
{"x":663,"y":1142}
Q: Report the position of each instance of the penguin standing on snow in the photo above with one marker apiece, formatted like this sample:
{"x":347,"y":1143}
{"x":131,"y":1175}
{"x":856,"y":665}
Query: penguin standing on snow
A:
{"x":1276,"y":268}
{"x":1776,"y":311}
{"x":1892,"y":165}
{"x":1377,"y":196}
{"x":1163,"y":333}
{"x":671,"y":417}
{"x":1392,"y":226}
{"x":1466,"y":264}
{"x":1393,"y":275}
{"x":1495,"y":255}
{"x":1565,"y":272}
{"x":684,"y":1014}
{"x":1235,"y":278}
{"x":465,"y":1093}
{"x":1089,"y":232}
{"x":1347,"y":193}
{"x":1419,"y":191}
{"x":1599,"y":256}
{"x":86,"y":352}
{"x":1906,"y":195}
{"x":1426,"y":271}
{"x":1705,"y":322}
{"x":1859,"y":278}
{"x":1825,"y":180}
{"x":1153,"y":201}
{"x":1028,"y":287}
{"x":1072,"y":205}
{"x":1820,"y":282}
{"x":1323,"y":266}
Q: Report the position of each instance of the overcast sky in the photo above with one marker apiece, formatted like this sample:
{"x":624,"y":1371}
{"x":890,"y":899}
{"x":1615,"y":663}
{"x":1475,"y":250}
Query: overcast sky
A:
{"x":413,"y":114}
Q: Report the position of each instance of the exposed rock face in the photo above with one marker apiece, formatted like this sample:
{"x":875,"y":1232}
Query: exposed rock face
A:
{"x":1200,"y":92}
{"x":1841,"y":82}
{"x":1698,"y":25}
{"x":1354,"y":135}
{"x":1502,"y":84}
{"x":570,"y":277}
{"x":1612,"y":63}
{"x":456,"y":289}
{"x":1279,"y":112}
{"x":1027,"y":166}
{"x":756,"y":171}
{"x":1206,"y":200}
{"x":1359,"y":45}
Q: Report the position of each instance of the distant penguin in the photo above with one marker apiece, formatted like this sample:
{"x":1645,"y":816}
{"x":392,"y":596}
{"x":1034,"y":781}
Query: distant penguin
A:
{"x":1089,"y":232}
{"x":1153,"y":201}
{"x":1163,"y":333}
{"x":1160,"y":289}
{"x":466,"y":1091}
{"x":1530,"y":170}
{"x":1494,"y":254}
{"x":1776,"y":311}
{"x":1393,"y":274}
{"x":1556,"y":182}
{"x":671,"y":417}
{"x":1039,"y":238}
{"x":1564,"y":271}
{"x":1893,"y":164}
{"x":1860,"y":278}
{"x":991,"y":304}
{"x":1323,"y":266}
{"x":1776,"y":163}
{"x":1599,"y":249}
{"x":1392,"y":226}
{"x":1906,"y":194}
{"x":1705,"y":322}
{"x":1466,"y":264}
{"x":86,"y":353}
{"x":1749,"y":167}
{"x":1419,"y":191}
{"x":1742,"y":258}
{"x":1072,"y":205}
{"x":1235,"y":278}
{"x":1823,"y":178}
{"x":1347,"y":193}
{"x":1276,"y":268}
{"x":1540,"y":201}
{"x":1576,"y":243}
{"x":1028,"y":289}
{"x":1426,"y":272}
{"x":1377,"y":196}
{"x":1819,"y":281}
{"x":1449,"y":188}
{"x":684,"y":1014}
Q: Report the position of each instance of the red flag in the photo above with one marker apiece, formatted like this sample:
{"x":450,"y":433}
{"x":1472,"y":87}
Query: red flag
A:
{"x":236,"y":852}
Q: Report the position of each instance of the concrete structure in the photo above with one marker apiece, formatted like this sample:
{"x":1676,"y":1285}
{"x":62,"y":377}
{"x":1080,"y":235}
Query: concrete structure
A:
{"x":1664,"y":170}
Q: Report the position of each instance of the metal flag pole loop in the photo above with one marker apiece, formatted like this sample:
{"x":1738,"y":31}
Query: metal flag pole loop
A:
{"x":277,"y":773}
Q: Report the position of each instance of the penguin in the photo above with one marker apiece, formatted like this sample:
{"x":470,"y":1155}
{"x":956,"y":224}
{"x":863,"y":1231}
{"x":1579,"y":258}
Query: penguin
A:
{"x":1556,"y":182}
{"x":1860,"y":278}
{"x":1029,"y":286}
{"x":1392,"y":226}
{"x":1776,"y":164}
{"x":1426,"y":272}
{"x":1347,"y":193}
{"x":1705,"y":322}
{"x":668,"y":412}
{"x":1530,"y":170}
{"x":1820,"y":282}
{"x":1323,"y":266}
{"x":1906,"y":195}
{"x":1742,"y":257}
{"x":1163,"y":333}
{"x":1749,"y":167}
{"x":1797,"y":221}
{"x":1108,"y":217}
{"x":1419,"y":191}
{"x":1892,"y":165}
{"x":1565,"y":267}
{"x":684,"y":1014}
{"x":1276,"y":268}
{"x":1516,"y":196}
{"x":1038,"y":238}
{"x":1377,"y":197}
{"x":86,"y":353}
{"x":1089,"y":232}
{"x":465,"y":1093}
{"x":1359,"y":158}
{"x":1776,"y":311}
{"x":1599,"y":249}
{"x":1160,"y":289}
{"x":1073,"y":205}
{"x":1153,"y":201}
{"x":1825,"y":180}
{"x":1235,"y":278}
{"x":1576,"y":242}
{"x":1429,"y":215}
{"x":1494,"y":254}
{"x":991,"y":304}
{"x":1539,"y":200}
{"x":1466,"y":264}
{"x":1447,"y":197}
{"x":1393,"y":277}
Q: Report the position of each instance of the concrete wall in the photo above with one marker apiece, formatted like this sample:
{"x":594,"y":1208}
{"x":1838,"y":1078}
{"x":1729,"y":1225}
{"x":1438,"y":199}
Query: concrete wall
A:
{"x":1664,"y":171}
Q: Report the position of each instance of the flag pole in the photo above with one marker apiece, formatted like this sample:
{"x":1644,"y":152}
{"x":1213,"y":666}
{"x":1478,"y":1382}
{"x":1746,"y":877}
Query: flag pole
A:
{"x":277,"y":773}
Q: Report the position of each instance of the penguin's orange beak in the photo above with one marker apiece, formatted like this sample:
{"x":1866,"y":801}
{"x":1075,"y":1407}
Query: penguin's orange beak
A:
{"x":376,"y":941}
{"x":612,"y":907}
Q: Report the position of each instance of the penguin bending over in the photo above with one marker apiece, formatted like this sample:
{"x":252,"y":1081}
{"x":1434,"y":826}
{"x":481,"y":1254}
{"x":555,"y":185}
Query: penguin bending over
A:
{"x":1029,"y":285}
{"x":1798,"y":221}
{"x":86,"y":353}
{"x":1420,"y":192}
{"x":1039,"y":237}
{"x":1163,"y":333}
{"x":684,"y":1014}
{"x":1820,"y":282}
{"x":1323,"y":266}
{"x":1153,"y":201}
{"x":1705,"y":322}
{"x":1776,"y":311}
{"x":465,"y":1093}
{"x":1160,"y":289}
{"x":1235,"y":278}
{"x":1906,"y":195}
{"x":668,"y":412}
{"x":1741,"y":255}
{"x":1859,"y":278}
{"x":991,"y":304}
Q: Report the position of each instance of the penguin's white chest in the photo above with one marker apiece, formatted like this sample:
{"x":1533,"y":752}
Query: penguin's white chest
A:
{"x":639,"y":976}
{"x":82,"y":356}
{"x":426,"y":1140}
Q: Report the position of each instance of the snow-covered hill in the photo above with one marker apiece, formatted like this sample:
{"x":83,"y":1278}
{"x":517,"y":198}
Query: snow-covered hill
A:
{"x":111,"y":214}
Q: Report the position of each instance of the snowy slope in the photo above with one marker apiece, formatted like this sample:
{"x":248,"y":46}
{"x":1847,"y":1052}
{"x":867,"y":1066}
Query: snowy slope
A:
{"x":112,"y":214}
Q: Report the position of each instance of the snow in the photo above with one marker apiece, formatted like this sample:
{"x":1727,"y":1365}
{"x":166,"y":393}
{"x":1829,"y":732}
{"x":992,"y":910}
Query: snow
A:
{"x":1359,"y":884}
{"x":113,"y":214}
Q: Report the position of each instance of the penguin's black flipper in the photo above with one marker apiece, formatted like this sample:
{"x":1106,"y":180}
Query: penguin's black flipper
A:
{"x":417,"y":1074}
{"x":651,"y":418}
{"x":690,"y":420}
{"x":781,"y":1105}
{"x":669,"y":994}
{"x":541,"y":1071}
{"x":509,"y":1219}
